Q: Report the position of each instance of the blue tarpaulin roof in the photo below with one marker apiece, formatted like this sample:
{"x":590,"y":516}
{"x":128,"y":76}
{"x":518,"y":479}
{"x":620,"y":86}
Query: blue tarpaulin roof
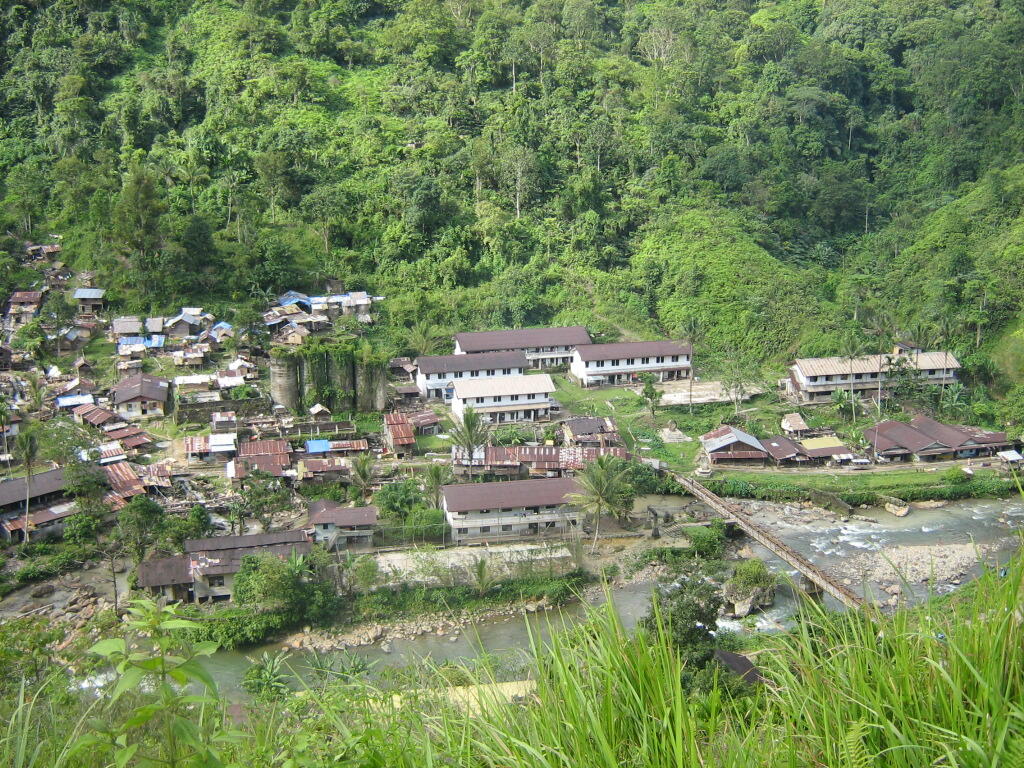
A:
{"x":156,"y":341}
{"x":318,"y":446}
{"x":72,"y":401}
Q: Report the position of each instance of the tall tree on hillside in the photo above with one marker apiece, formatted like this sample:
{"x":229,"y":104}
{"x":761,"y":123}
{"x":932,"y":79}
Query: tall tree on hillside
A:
{"x":470,"y":434}
{"x":28,"y":449}
{"x":851,"y":349}
{"x":136,"y":218}
{"x":603,"y":488}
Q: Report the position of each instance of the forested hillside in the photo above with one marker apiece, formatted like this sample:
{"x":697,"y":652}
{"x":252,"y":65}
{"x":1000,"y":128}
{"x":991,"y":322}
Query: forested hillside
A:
{"x":780,"y":174}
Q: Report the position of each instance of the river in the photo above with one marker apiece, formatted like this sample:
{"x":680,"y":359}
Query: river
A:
{"x":828,"y":543}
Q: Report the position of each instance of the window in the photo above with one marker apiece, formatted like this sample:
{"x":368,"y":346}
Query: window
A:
{"x":323,"y":526}
{"x":549,"y":524}
{"x":490,"y":372}
{"x":600,"y":363}
{"x":485,"y":529}
{"x":458,"y":374}
{"x":615,"y":362}
{"x":478,"y":399}
{"x":506,"y":371}
{"x":814,"y":378}
{"x":645,"y":360}
{"x":474,"y":374}
{"x":675,"y":358}
{"x":513,"y":398}
{"x":631,"y":361}
{"x":498,"y":398}
{"x":931,"y":372}
{"x":506,"y":527}
{"x":463,"y":530}
{"x":215,"y":581}
{"x":659,"y":359}
{"x":858,"y":376}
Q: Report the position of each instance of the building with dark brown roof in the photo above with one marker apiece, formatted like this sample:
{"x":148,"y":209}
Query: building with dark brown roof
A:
{"x":925,"y":439}
{"x":590,"y":432}
{"x":624,"y":363}
{"x":731,"y":444}
{"x":205,"y":573}
{"x":514,"y":509}
{"x":141,"y":396}
{"x":435,"y":374}
{"x":339,"y":527}
{"x":544,"y":347}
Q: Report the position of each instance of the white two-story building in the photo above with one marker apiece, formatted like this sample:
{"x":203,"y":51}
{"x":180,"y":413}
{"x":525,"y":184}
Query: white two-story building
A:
{"x":515,"y":509}
{"x":505,"y":398}
{"x":623,"y":363}
{"x":544,"y":347}
{"x":814,"y":379}
{"x":436,"y":374}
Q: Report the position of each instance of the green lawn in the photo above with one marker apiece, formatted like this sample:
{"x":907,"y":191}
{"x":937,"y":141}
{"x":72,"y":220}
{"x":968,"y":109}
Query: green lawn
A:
{"x":428,"y":443}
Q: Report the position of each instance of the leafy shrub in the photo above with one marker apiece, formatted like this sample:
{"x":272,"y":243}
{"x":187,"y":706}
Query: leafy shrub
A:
{"x":752,"y":574}
{"x":955,"y":475}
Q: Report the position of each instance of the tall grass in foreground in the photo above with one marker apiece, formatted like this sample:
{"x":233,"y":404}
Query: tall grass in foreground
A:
{"x":941,"y":685}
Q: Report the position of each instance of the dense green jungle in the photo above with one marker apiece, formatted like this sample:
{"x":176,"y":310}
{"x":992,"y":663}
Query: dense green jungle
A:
{"x":769,"y":179}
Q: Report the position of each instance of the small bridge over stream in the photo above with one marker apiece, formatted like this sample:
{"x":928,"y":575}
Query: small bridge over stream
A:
{"x":734,"y":513}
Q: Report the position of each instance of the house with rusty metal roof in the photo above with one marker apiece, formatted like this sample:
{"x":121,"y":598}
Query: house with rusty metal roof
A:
{"x":509,"y":510}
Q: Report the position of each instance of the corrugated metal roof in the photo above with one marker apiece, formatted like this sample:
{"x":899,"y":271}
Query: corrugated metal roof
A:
{"x":470,"y":497}
{"x":478,"y":361}
{"x":632,"y":349}
{"x":725,"y":435}
{"x":326,"y":511}
{"x":522,"y":338}
{"x":841,"y":366}
{"x":500,"y":386}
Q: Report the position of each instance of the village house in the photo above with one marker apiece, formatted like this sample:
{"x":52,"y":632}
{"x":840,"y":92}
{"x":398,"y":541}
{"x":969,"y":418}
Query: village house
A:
{"x":814,"y":379}
{"x":141,"y":396}
{"x":340,"y":527}
{"x":182,"y":325}
{"x":218,"y":446}
{"x":436,"y":374}
{"x":399,"y":434}
{"x":274,"y":457}
{"x":292,"y":335}
{"x":784,"y":450}
{"x":925,"y":439}
{"x":89,"y":301}
{"x":543,"y":347}
{"x":524,"y":461}
{"x":731,"y":444}
{"x":206,"y":572}
{"x":793,"y":424}
{"x":48,"y":506}
{"x":23,"y":307}
{"x":505,"y":398}
{"x":126,"y":326}
{"x":336,"y":447}
{"x":597,"y":364}
{"x":223,"y":421}
{"x":6,"y":358}
{"x":515,"y":509}
{"x":590,"y":432}
{"x":330,"y":469}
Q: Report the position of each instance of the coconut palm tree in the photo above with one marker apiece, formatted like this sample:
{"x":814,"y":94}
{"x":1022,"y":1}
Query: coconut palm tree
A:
{"x":602,"y":486}
{"x":28,"y":448}
{"x":470,"y":435}
{"x":693,"y":331}
{"x":851,"y":350}
{"x":435,"y":477}
{"x":5,"y":424}
{"x":423,"y":338}
{"x":362,"y":473}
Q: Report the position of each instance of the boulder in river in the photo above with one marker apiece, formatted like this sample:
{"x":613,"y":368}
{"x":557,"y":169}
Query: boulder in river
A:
{"x":738,"y":602}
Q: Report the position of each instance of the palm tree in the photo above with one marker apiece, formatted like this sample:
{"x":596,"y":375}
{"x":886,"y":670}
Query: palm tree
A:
{"x":693,"y":330}
{"x":470,"y":435}
{"x":435,"y":478}
{"x":5,"y":424}
{"x":362,"y":473}
{"x":602,"y":488}
{"x":851,"y":350}
{"x":422,"y":338}
{"x":28,"y":448}
{"x":947,"y":328}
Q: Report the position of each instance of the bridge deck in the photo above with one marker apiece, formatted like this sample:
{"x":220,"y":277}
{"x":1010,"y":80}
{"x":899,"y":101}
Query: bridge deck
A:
{"x":736,"y":513}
